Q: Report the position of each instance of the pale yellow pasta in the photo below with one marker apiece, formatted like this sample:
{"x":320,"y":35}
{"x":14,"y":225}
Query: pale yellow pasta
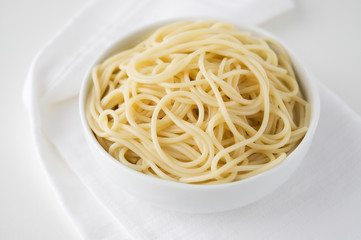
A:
{"x":198,"y":102}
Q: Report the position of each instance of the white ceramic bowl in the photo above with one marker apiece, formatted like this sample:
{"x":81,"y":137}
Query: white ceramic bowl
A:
{"x":200,"y":198}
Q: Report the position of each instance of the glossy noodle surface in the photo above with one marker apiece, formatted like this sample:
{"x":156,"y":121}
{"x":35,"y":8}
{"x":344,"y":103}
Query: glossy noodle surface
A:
{"x":198,"y":102}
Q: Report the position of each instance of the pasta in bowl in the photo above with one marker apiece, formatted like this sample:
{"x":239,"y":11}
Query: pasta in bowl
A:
{"x":199,"y":108}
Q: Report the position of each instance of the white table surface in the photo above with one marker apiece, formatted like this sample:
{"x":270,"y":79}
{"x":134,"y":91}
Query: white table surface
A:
{"x":325,"y":34}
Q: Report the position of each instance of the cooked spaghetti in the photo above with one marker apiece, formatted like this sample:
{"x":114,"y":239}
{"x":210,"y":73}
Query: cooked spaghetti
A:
{"x":198,"y":102}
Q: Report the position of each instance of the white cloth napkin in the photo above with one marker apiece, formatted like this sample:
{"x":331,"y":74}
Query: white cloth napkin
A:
{"x":320,"y":201}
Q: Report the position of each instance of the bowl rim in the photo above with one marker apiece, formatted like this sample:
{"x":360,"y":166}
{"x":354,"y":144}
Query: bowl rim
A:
{"x":309,"y":83}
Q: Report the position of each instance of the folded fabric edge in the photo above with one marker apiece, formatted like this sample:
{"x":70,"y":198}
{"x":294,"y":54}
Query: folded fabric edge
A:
{"x":27,"y":91}
{"x":63,"y":180}
{"x":30,"y":101}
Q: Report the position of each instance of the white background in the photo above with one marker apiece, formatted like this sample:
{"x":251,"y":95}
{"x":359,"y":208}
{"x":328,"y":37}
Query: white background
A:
{"x":325,"y":34}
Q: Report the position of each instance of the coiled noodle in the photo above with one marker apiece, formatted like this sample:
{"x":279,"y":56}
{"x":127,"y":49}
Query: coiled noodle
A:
{"x":198,"y":102}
